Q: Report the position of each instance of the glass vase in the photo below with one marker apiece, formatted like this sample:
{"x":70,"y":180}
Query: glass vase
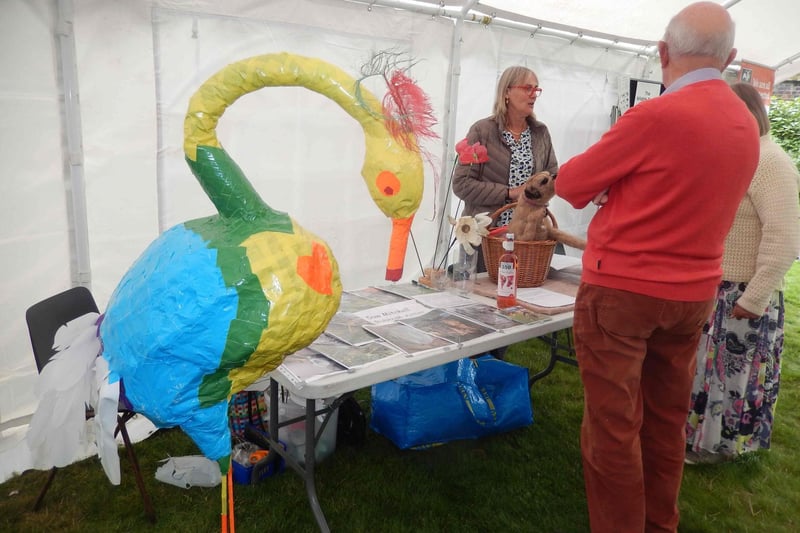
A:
{"x":464,"y":265}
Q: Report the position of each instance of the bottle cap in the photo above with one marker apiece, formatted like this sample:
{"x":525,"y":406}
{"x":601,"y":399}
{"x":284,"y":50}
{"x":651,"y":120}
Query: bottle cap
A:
{"x":508,"y":244}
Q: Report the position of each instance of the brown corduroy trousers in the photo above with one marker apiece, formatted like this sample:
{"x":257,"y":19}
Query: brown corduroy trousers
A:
{"x":636,"y":356}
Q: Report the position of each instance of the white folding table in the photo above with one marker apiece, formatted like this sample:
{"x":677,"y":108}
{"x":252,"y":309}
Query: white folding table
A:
{"x":341,"y":385}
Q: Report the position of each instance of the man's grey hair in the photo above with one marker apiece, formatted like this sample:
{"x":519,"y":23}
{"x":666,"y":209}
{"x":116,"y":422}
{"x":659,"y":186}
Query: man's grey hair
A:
{"x":684,"y":40}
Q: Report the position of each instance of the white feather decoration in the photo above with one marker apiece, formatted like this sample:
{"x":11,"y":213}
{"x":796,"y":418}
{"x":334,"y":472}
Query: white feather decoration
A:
{"x":66,"y":385}
{"x":105,"y":421}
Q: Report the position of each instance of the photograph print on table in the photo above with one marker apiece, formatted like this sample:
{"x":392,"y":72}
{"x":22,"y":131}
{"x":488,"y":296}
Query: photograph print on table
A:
{"x":374,"y":293}
{"x":306,"y":365}
{"x":352,"y":303}
{"x":485,"y":314}
{"x":347,"y":328}
{"x":352,"y":357}
{"x":448,"y":326}
{"x":443,"y":300}
{"x":409,"y":339}
{"x":407,"y":290}
{"x":524,"y":316}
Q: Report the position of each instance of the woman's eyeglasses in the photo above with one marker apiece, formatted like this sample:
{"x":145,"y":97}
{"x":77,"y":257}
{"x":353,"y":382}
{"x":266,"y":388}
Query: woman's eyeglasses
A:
{"x":532,"y":90}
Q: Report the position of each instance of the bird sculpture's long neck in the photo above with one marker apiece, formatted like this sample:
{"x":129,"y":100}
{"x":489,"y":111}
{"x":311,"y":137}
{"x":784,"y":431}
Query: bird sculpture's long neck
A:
{"x":221,"y":178}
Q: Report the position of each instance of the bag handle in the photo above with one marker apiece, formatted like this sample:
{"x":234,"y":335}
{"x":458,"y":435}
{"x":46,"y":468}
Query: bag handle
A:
{"x":479,"y":404}
{"x":476,"y":398}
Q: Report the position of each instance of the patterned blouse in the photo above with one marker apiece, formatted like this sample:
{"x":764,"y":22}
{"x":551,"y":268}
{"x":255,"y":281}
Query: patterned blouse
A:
{"x":521,"y":166}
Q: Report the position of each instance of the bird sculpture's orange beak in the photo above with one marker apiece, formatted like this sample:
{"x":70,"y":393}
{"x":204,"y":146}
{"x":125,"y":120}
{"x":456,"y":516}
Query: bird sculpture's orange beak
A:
{"x":401,"y":227}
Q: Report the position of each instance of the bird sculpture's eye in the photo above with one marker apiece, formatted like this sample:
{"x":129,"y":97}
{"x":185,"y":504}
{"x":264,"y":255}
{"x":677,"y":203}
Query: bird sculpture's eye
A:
{"x":387,"y":183}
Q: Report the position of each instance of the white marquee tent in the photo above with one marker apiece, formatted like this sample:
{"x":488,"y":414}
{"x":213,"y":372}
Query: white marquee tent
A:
{"x":93,"y":95}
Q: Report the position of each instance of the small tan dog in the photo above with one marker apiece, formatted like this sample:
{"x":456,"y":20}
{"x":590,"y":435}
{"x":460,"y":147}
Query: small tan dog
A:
{"x":530,"y":221}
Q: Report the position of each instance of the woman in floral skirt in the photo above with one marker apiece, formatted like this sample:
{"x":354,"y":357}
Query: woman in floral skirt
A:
{"x":739,"y":357}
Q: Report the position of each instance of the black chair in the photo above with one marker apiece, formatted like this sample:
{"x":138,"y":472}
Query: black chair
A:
{"x":44,"y":319}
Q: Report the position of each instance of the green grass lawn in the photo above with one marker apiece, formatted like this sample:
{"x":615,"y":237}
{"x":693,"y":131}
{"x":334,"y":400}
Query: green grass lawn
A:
{"x":524,"y":480}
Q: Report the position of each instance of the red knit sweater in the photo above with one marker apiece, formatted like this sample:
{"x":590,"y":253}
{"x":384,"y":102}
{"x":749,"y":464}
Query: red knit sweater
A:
{"x":675,"y":168}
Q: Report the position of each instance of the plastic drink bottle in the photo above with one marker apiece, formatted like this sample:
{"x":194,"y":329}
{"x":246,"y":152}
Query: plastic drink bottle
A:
{"x":507,"y":275}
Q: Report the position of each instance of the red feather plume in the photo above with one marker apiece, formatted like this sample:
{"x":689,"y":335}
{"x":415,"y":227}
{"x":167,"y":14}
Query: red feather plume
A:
{"x":407,"y":111}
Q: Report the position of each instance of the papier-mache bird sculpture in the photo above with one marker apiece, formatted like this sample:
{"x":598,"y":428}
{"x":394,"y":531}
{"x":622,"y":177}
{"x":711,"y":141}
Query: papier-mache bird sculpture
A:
{"x":215,"y":303}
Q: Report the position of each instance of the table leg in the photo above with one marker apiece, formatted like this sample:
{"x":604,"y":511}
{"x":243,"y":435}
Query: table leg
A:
{"x":311,"y":461}
{"x":556,"y":355}
{"x":307,"y":470}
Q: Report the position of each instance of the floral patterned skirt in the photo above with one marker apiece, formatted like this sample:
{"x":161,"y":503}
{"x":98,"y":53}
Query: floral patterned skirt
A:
{"x":737,"y":379}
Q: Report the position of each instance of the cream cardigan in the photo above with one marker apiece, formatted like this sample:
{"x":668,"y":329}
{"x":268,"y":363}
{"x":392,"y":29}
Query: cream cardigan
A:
{"x":765,"y":237}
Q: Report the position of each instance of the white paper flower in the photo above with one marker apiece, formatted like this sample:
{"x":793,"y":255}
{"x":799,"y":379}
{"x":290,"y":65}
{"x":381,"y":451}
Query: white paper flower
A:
{"x":469,"y":231}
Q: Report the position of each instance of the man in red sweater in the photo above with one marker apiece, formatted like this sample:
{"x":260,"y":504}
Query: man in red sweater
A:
{"x":669,"y":176}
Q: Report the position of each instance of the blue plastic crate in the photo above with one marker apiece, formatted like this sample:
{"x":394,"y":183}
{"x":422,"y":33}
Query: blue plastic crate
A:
{"x":259,"y":469}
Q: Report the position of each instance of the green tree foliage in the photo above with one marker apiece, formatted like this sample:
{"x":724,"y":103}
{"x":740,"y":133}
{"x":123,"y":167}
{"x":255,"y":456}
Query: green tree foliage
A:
{"x":784,"y":120}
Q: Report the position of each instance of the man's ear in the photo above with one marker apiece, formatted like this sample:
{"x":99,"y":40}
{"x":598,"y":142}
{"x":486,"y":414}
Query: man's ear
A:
{"x":663,"y":53}
{"x":731,"y":57}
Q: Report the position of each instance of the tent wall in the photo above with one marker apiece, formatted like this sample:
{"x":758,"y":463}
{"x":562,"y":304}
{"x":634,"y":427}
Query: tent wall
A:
{"x":35,"y":242}
{"x":139,"y":62}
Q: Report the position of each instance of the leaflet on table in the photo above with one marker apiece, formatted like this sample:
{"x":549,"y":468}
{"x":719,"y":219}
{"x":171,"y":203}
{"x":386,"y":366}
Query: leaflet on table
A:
{"x":393,"y":312}
{"x":485,"y":314}
{"x":566,"y":268}
{"x":409,"y":339}
{"x":443,"y":300}
{"x":560,"y":262}
{"x":351,"y":303}
{"x":374,"y":293}
{"x":347,"y":327}
{"x":306,"y":365}
{"x":407,"y":290}
{"x":543,"y":297}
{"x":454,"y":328}
{"x":523,"y":315}
{"x":351,"y":357}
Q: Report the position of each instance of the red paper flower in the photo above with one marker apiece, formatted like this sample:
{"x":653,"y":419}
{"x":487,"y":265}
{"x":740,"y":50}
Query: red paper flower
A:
{"x":471,"y":153}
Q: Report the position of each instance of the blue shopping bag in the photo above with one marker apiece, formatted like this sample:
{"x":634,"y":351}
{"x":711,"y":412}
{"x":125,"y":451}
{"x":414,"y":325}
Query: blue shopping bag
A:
{"x":465,"y":399}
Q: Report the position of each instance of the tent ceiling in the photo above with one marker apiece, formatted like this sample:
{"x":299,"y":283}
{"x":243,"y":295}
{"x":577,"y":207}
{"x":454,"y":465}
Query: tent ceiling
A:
{"x":766,"y":30}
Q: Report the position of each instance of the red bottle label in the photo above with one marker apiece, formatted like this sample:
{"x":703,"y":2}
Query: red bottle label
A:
{"x":507,"y":285}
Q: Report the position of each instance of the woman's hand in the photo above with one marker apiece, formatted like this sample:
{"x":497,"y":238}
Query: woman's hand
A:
{"x":515,"y":192}
{"x":739,"y":312}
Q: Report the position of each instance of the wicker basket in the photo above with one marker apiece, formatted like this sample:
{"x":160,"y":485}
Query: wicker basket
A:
{"x":534,"y":256}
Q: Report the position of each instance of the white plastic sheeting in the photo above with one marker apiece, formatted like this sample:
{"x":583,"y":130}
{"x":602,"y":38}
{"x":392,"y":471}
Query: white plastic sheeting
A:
{"x":137,"y":64}
{"x":765,"y":29}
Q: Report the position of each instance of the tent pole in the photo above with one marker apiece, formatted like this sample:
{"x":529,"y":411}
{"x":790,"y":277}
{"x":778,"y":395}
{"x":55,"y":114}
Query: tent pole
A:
{"x":72,"y":125}
{"x":472,"y":12}
{"x":444,"y":193}
{"x":162,"y":191}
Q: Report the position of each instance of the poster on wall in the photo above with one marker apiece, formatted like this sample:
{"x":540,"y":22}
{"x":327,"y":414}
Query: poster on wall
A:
{"x":631,"y":91}
{"x":642,"y":90}
{"x":760,"y":77}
